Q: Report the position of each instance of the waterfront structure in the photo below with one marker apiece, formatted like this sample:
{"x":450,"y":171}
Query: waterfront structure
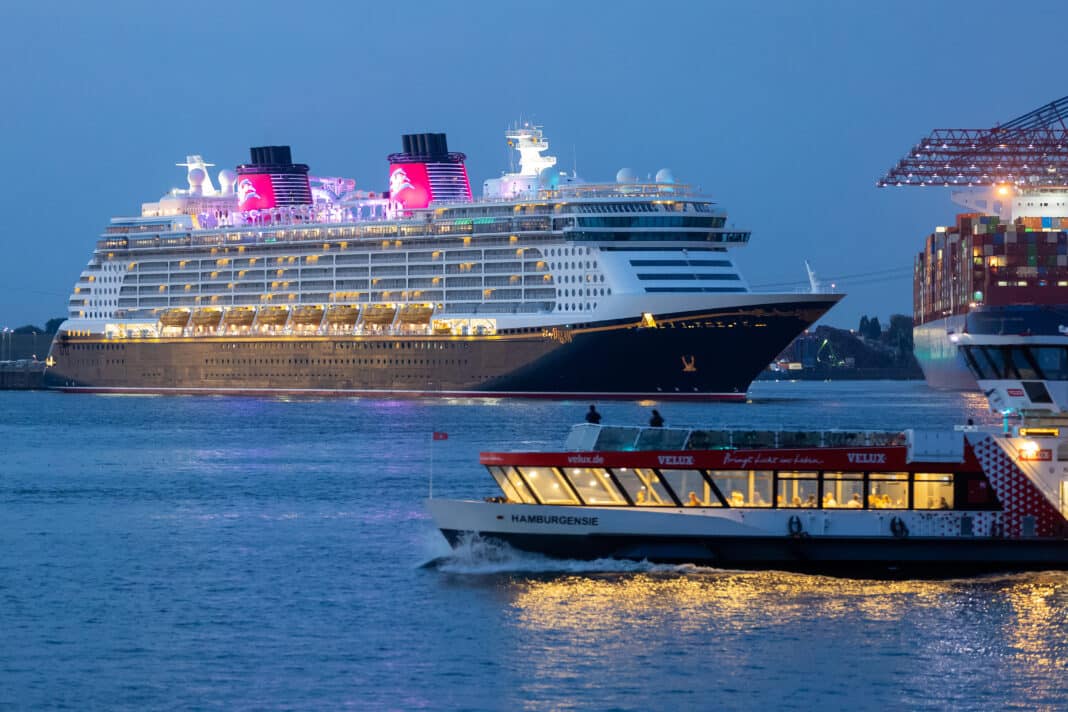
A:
{"x":275,"y":281}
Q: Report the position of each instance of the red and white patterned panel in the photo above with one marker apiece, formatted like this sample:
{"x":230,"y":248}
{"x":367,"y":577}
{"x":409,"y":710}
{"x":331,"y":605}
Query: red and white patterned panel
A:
{"x":1018,"y":495}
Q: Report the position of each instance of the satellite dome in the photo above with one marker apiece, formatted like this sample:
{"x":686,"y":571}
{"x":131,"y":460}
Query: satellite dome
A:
{"x":548,"y":178}
{"x":227,"y":179}
{"x":626,"y":175}
{"x":196,"y":177}
{"x":664,"y":175}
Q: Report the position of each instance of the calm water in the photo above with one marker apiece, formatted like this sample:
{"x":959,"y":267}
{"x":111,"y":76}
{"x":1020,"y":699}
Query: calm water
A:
{"x":266,"y":554}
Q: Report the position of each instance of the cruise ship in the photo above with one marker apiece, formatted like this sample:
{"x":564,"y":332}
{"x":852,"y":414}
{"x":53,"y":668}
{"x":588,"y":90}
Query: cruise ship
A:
{"x":268,"y":280}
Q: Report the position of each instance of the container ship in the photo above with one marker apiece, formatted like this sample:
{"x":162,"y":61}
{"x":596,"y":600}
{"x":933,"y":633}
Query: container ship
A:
{"x":985,"y":276}
{"x":273,"y":281}
{"x":1002,"y":268}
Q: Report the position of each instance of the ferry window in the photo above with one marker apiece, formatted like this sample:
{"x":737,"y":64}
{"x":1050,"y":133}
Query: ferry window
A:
{"x":548,"y":485}
{"x":1022,"y":362}
{"x":1052,"y":361}
{"x":843,"y":489}
{"x":684,"y":482}
{"x":995,"y":359}
{"x":643,"y":487}
{"x":977,"y":364}
{"x":888,"y":490}
{"x":594,"y":486}
{"x":745,"y":488}
{"x":511,"y":485}
{"x":797,"y":489}
{"x":932,"y":491}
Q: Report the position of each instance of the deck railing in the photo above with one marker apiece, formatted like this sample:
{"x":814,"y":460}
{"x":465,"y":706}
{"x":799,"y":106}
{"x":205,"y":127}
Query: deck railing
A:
{"x":586,"y":436}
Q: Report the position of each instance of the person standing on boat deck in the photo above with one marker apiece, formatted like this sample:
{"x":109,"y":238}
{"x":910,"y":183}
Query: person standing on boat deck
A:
{"x":656,"y":420}
{"x":592,"y":416}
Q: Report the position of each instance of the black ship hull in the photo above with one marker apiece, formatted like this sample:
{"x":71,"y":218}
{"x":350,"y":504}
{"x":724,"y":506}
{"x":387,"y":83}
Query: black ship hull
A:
{"x":848,"y":556}
{"x":711,"y":354}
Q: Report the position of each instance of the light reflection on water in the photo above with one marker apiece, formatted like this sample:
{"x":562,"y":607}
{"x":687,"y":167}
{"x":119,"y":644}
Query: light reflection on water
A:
{"x":792,"y":640}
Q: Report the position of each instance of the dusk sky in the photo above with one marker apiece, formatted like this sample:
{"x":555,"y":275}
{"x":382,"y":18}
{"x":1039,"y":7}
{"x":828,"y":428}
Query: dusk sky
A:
{"x":785,"y":113}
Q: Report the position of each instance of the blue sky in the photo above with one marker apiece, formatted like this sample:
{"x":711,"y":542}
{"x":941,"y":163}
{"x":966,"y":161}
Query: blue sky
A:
{"x":786,"y":113}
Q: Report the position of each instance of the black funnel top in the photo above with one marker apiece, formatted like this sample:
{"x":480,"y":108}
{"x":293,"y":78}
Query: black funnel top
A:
{"x":271,"y":156}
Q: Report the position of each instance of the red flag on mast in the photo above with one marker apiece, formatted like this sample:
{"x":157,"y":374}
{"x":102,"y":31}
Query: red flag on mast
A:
{"x":439,"y":435}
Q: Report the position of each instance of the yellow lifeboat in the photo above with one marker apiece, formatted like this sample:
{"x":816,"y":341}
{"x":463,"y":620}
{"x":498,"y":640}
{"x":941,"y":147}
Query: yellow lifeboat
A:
{"x":239,"y":316}
{"x":342,"y":314}
{"x":207,"y":318}
{"x":415,"y":314}
{"x":175,"y":317}
{"x":308,"y":315}
{"x":272,"y":316}
{"x":381,"y":314}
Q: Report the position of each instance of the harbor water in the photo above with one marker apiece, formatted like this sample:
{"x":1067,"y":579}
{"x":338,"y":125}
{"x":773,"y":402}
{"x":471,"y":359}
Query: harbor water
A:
{"x":242,"y":553}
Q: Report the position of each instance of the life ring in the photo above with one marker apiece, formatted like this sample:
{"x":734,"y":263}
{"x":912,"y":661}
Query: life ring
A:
{"x":898,"y":528}
{"x":794,"y":525}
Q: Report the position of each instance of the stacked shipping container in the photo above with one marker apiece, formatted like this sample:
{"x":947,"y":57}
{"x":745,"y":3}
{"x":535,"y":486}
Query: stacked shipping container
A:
{"x":982,"y":261}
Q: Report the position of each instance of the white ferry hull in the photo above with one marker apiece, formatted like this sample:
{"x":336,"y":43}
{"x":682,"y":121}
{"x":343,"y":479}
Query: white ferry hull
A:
{"x":831,"y":541}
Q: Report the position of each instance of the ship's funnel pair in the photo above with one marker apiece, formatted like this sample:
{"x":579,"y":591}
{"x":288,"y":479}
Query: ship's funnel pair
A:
{"x":424,"y":172}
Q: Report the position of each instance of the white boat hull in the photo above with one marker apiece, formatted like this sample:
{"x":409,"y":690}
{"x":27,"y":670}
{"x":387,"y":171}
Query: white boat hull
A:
{"x":834,"y":541}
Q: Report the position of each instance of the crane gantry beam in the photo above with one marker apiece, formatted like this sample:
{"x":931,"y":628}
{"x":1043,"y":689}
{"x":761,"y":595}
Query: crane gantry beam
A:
{"x":1031,"y":151}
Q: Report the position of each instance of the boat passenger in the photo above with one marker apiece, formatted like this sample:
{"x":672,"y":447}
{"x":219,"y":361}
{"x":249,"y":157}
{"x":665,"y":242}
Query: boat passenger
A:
{"x":656,"y":420}
{"x":810,"y":503}
{"x":829,"y":500}
{"x":737,"y":499}
{"x":795,"y":502}
{"x":942,"y":503}
{"x":693,"y":501}
{"x":855,"y":502}
{"x":592,"y":416}
{"x":640,"y":499}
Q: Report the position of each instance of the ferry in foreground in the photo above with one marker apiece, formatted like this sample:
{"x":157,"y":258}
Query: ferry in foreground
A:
{"x":967,"y":500}
{"x":273,"y":281}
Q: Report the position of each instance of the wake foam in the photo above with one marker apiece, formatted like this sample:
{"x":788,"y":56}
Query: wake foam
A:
{"x":475,"y":555}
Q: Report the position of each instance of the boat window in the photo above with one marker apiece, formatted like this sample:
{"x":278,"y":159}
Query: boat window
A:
{"x":888,"y":490}
{"x":932,"y":491}
{"x":1022,"y":362}
{"x":502,"y":481}
{"x":976,"y":363}
{"x":593,"y":485}
{"x":1052,"y":361}
{"x":797,"y":489}
{"x":994,"y":359}
{"x":744,"y":488}
{"x":685,"y":482}
{"x":548,"y":485}
{"x":512,"y":485}
{"x":643,"y":487}
{"x":843,"y":489}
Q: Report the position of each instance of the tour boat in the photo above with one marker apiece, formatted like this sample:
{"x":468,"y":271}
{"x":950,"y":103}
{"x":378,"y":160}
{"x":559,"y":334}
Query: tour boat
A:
{"x":965,"y":500}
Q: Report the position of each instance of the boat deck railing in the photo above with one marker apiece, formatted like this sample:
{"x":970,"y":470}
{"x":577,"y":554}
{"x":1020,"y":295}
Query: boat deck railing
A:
{"x":588,"y":437}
